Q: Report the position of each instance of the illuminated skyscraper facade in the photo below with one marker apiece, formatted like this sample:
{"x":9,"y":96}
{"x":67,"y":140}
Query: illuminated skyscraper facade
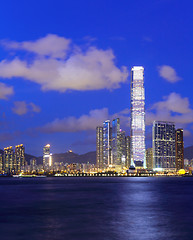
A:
{"x":99,"y":147}
{"x":179,"y":149}
{"x":149,"y":158}
{"x":19,"y":158}
{"x":164,"y":152}
{"x":137,"y":116}
{"x":1,"y":163}
{"x":47,"y":157}
{"x":8,"y":159}
{"x":115,"y":143}
{"x":107,"y":143}
{"x":128,"y":151}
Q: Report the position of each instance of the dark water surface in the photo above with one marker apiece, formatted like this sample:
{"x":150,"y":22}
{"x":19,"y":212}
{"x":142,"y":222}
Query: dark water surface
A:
{"x":96,"y":208}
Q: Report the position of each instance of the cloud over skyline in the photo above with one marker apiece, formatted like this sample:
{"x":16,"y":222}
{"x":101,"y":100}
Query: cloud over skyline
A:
{"x":85,"y":122}
{"x":64,"y":67}
{"x":173,"y":108}
{"x":168,"y":73}
{"x":21,"y":108}
{"x":5,"y":91}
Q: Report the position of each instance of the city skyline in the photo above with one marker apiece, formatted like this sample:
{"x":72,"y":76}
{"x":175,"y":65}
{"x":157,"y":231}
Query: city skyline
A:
{"x":89,"y":53}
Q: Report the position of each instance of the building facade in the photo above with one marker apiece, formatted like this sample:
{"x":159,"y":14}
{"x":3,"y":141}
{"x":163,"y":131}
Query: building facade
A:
{"x":164,"y":153}
{"x":107,"y":160}
{"x":1,"y":163}
{"x":179,"y":149}
{"x":127,"y":151}
{"x":19,"y":158}
{"x":137,"y":116}
{"x":8,"y":159}
{"x":149,"y":158}
{"x":46,"y":157}
{"x":115,"y":142}
{"x":122,"y":149}
{"x":99,"y":147}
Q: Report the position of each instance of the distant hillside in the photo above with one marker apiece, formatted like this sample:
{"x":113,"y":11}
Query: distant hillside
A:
{"x":70,"y":157}
{"x":188,"y":152}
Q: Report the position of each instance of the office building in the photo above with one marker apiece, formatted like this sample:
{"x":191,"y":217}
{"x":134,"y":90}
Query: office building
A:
{"x":137,"y":116}
{"x":122,"y":148}
{"x":179,"y":149}
{"x":47,"y":158}
{"x":127,"y":151}
{"x":107,"y":132}
{"x":164,"y":152}
{"x":149,"y":158}
{"x":99,"y":147}
{"x":115,"y":142}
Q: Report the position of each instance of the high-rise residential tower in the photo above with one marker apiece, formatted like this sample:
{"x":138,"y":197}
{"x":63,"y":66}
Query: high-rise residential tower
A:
{"x":19,"y":158}
{"x":107,"y":143}
{"x":137,"y":116}
{"x":1,"y":163}
{"x":164,"y":152}
{"x":99,"y":147}
{"x":8,"y":159}
{"x":179,"y":149}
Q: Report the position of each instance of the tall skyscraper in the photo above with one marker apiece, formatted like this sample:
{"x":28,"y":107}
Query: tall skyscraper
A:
{"x":149,"y":158}
{"x":115,"y":142}
{"x":1,"y":163}
{"x":8,"y":159}
{"x":179,"y":149}
{"x":46,"y":157}
{"x":122,"y":149}
{"x":107,"y":143}
{"x":19,"y":158}
{"x":137,"y":116}
{"x":128,"y":152}
{"x":99,"y":147}
{"x":163,"y":137}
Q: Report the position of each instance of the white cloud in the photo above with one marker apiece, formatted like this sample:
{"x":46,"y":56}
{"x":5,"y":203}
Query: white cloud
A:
{"x":5,"y":91}
{"x":86,"y":122}
{"x":92,"y":69}
{"x":169,"y":73}
{"x":173,"y":108}
{"x":21,"y":107}
{"x":83,"y":123}
{"x":50,"y":45}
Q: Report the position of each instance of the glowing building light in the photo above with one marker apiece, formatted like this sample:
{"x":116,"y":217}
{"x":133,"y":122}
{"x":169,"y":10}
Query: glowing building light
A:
{"x":137,"y":116}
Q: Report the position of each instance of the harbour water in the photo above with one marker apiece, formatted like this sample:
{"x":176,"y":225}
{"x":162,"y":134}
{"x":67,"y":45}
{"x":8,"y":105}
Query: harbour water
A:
{"x":116,"y":208}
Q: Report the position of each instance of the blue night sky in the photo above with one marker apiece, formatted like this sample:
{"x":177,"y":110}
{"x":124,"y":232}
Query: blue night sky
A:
{"x":65,"y":68}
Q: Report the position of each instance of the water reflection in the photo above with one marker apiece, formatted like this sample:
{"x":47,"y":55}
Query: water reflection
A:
{"x":97,"y":208}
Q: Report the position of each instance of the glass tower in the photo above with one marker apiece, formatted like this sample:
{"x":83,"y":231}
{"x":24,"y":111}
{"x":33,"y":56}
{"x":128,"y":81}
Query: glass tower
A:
{"x":137,"y":117}
{"x":107,"y":143}
{"x":46,"y":157}
{"x":116,"y":141}
{"x":99,"y":147}
{"x":179,"y":149}
{"x":164,"y":152}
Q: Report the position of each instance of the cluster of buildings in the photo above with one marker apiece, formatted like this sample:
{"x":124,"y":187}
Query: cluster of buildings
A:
{"x":112,"y":146}
{"x":114,"y":150}
{"x":12,"y":162}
